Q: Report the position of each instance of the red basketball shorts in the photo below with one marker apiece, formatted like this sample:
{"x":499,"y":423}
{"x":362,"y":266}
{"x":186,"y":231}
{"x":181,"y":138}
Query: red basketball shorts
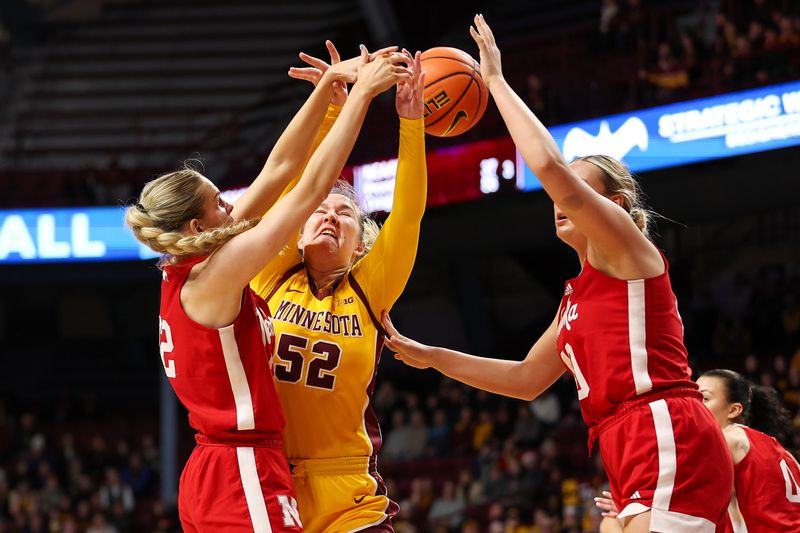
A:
{"x":668,"y":456}
{"x":235,"y":488}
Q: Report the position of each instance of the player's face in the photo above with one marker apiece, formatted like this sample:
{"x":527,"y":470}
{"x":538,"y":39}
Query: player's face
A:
{"x":333,"y":232}
{"x":565,"y":229}
{"x":216,"y":211}
{"x":715,"y":400}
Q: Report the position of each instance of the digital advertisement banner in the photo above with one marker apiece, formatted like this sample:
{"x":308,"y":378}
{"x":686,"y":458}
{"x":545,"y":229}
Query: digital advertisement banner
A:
{"x":728,"y":125}
{"x":65,"y":235}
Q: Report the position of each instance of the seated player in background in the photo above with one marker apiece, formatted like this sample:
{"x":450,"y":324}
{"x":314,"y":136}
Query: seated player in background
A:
{"x":326,"y":291}
{"x":216,"y":334}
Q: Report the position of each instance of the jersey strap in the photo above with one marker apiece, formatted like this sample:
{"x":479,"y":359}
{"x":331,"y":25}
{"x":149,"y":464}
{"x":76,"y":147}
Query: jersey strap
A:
{"x":283,"y":279}
{"x":363,"y":297}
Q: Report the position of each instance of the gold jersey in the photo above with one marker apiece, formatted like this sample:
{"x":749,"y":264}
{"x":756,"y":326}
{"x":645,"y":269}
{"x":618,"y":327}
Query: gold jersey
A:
{"x":327,"y":350}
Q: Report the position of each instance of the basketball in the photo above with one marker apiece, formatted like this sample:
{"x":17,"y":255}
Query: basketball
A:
{"x":455,"y":95}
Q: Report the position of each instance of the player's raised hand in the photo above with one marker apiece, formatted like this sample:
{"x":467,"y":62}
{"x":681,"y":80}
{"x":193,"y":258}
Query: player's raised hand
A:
{"x":376,"y":73}
{"x":491,"y":67}
{"x":342,"y":72}
{"x":406,"y":350}
{"x":318,"y":67}
{"x":408,"y":101}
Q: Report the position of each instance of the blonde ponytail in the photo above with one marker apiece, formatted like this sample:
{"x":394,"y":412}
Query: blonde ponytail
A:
{"x":166,"y":204}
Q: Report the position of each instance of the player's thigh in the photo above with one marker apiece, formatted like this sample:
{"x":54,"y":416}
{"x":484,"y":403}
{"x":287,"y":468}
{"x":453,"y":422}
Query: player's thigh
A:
{"x":639,"y":523}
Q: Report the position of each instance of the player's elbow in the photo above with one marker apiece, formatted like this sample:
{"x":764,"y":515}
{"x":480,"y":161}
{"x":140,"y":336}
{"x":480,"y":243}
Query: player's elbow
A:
{"x":528,"y":394}
{"x":551,"y":165}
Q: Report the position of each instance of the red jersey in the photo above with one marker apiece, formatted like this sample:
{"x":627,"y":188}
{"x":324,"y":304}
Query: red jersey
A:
{"x":767,"y":483}
{"x":620,"y":339}
{"x":223,"y":376}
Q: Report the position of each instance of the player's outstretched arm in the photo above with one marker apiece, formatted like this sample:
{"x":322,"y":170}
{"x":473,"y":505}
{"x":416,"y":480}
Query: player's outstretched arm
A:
{"x":288,"y":156}
{"x":314,"y":73}
{"x":231,"y":267}
{"x":388,"y":266}
{"x":609,"y":228}
{"x":292,"y":150}
{"x":524,"y":379}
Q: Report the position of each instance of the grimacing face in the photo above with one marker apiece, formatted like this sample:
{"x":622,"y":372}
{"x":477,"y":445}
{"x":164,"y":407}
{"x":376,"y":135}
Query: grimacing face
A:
{"x":333,"y":231}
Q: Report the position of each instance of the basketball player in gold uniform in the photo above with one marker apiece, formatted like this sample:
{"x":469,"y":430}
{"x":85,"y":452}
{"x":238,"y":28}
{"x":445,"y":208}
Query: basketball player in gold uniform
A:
{"x":326,"y":293}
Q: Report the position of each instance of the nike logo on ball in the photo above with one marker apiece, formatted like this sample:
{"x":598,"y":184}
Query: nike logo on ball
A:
{"x":459,"y":115}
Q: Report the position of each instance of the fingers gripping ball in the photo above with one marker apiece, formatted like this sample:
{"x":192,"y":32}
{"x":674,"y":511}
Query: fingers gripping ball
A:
{"x":455,"y":95}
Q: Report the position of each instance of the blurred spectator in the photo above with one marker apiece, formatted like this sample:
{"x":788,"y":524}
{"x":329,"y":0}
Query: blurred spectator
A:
{"x":463,"y":431}
{"x":439,"y":434}
{"x":542,"y":100}
{"x":406,"y":440}
{"x":99,"y":524}
{"x":115,"y":491}
{"x":483,"y":429}
{"x":5,"y":41}
{"x":668,"y":76}
{"x":138,"y":475}
{"x":447,"y":509}
{"x":546,"y":408}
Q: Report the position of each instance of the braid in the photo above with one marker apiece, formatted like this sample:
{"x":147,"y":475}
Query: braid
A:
{"x":166,"y":204}
{"x":180,"y":244}
{"x":204,"y":242}
{"x":144,"y":228}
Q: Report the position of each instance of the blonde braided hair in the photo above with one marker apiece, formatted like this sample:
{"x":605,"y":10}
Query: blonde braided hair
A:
{"x":165,"y":205}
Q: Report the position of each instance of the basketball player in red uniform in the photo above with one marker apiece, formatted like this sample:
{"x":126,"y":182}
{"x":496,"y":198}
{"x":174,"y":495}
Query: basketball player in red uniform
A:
{"x":766,"y":476}
{"x":216,"y":335}
{"x":617,"y":331}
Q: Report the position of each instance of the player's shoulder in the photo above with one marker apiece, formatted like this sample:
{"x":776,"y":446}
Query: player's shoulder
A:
{"x":738,"y":442}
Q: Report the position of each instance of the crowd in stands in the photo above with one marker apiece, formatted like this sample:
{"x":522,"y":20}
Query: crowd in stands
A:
{"x":718,"y":45}
{"x":456,"y":459}
{"x":58,"y":476}
{"x":669,"y":51}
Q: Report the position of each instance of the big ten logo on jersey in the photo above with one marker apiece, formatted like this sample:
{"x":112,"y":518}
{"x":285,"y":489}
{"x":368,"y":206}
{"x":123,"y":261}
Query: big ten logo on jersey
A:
{"x":568,"y":314}
{"x":346,"y":301}
{"x":291,"y":516}
{"x":166,"y":347}
{"x":437,"y":101}
{"x":267,"y":329}
{"x":322,"y":321}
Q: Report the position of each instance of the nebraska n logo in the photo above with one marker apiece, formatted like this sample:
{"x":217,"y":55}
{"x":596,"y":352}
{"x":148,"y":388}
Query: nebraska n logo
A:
{"x":632,"y":133}
{"x":291,"y":516}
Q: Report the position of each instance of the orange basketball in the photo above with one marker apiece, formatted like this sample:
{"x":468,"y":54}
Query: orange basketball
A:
{"x":455,"y":95}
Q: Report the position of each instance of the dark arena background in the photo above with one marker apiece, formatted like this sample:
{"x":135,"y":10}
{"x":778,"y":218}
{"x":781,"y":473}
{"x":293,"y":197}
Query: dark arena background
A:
{"x":99,"y":96}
